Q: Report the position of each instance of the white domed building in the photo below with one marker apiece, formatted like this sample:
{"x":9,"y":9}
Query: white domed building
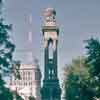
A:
{"x":30,"y":82}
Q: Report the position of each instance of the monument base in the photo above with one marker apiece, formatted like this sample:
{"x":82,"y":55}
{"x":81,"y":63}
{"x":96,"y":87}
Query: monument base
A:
{"x":50,"y":90}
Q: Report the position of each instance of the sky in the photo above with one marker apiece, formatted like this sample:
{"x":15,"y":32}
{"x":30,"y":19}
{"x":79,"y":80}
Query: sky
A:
{"x":78,"y":20}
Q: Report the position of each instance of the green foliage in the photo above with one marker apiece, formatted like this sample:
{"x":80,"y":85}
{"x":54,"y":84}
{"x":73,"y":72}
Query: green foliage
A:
{"x":18,"y":97}
{"x":77,"y":81}
{"x":6,"y":58}
{"x":93,"y":52}
{"x":82,"y":77}
{"x":93,"y":59}
{"x":31,"y":98}
{"x":5,"y":93}
{"x":6,"y":48}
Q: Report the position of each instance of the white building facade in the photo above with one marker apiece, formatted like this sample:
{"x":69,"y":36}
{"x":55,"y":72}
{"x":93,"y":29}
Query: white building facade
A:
{"x":30,"y":82}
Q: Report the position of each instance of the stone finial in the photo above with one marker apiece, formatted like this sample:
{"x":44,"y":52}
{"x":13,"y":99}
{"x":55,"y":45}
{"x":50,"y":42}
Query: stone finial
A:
{"x":50,"y":14}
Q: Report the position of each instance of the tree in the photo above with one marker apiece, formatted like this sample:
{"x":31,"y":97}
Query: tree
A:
{"x":32,"y":98}
{"x":77,"y":81}
{"x":93,"y":59}
{"x":6,"y":57}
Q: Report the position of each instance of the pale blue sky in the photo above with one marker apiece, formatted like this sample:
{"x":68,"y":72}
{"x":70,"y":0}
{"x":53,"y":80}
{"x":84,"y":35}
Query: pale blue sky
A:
{"x":78,"y":20}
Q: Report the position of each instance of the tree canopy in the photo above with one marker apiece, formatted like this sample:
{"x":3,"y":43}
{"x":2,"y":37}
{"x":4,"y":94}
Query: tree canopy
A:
{"x":93,"y":59}
{"x":6,"y":57}
{"x":77,"y":84}
{"x":82,"y":76}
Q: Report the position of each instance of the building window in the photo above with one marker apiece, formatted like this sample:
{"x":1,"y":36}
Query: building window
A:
{"x":28,"y":75}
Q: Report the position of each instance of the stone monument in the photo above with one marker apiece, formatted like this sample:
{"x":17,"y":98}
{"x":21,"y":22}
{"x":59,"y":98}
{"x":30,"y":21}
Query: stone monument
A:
{"x":51,"y":89}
